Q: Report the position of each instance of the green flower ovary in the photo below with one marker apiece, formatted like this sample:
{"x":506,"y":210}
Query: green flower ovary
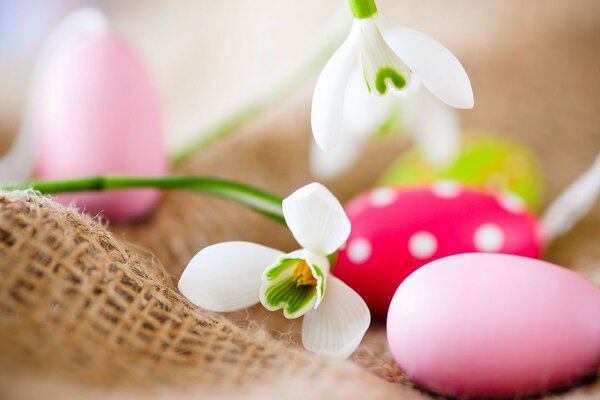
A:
{"x":388,"y":73}
{"x":363,"y":8}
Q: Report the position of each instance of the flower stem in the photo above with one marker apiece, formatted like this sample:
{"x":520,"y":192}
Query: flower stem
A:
{"x":293,"y":82}
{"x":263,"y":202}
{"x":362,"y":9}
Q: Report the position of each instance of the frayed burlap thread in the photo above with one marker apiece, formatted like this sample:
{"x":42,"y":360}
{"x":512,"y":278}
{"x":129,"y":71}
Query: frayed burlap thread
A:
{"x":79,"y":305}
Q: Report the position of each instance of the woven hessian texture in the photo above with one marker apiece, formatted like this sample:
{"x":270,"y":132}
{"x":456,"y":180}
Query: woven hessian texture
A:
{"x":77,"y":303}
{"x":82,"y":311}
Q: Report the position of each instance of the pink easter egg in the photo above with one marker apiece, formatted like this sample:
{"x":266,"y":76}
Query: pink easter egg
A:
{"x":397,"y":230}
{"x":494,"y":326}
{"x":97,"y":112}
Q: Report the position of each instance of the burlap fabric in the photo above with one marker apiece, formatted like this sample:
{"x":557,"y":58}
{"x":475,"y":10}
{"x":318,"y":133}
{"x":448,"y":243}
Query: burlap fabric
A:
{"x":83,"y":312}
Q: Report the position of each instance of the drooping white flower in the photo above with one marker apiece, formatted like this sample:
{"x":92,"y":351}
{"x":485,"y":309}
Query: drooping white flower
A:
{"x":389,"y":63}
{"x":433,"y":126}
{"x":234,"y":275}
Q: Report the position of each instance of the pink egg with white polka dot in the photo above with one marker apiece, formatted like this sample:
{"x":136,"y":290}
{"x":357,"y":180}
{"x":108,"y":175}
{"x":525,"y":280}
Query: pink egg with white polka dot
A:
{"x":397,"y":230}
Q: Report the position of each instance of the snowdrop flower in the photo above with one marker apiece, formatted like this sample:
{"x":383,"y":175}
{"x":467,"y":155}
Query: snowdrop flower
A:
{"x":433,"y":126}
{"x":234,"y":275}
{"x":388,"y":63}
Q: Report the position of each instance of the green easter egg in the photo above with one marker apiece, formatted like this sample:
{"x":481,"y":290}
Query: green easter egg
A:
{"x":485,"y":162}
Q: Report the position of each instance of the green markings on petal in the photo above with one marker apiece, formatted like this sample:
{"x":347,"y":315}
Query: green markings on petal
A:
{"x":288,"y":295}
{"x":321,"y":277}
{"x":386,"y":74}
{"x":293,"y":285}
{"x":277,"y":269}
{"x":367,"y":81}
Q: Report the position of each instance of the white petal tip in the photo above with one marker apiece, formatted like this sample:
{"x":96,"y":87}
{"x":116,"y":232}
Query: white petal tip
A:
{"x":439,"y":70}
{"x":328,"y":96}
{"x":316,"y":218}
{"x":324,"y":138}
{"x":337,"y":327}
{"x":467,"y":103}
{"x":326,"y":145}
{"x":462,"y":98}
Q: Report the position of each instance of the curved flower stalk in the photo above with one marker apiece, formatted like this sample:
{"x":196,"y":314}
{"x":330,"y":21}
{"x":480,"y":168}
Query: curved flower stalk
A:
{"x":234,"y":275}
{"x":253,"y":198}
{"x":390,"y":62}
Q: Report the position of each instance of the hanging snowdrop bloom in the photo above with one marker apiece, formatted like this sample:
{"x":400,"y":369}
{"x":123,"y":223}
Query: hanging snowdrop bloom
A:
{"x":433,"y":126}
{"x":389,"y":63}
{"x":234,"y":275}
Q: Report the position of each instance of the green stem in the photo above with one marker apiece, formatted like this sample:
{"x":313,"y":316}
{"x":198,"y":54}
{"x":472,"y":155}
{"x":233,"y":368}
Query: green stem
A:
{"x":293,"y":82}
{"x":362,"y":9}
{"x":256,"y":199}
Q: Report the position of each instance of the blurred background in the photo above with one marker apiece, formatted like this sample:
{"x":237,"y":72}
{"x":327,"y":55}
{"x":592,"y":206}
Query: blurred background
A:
{"x":209,"y":58}
{"x":534,"y":66}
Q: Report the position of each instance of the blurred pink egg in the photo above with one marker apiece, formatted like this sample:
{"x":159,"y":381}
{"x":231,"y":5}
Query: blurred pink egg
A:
{"x":494,"y":326}
{"x":397,"y":230}
{"x":97,"y":112}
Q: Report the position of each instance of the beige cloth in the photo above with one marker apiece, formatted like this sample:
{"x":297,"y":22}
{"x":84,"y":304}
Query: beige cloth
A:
{"x":81,"y":312}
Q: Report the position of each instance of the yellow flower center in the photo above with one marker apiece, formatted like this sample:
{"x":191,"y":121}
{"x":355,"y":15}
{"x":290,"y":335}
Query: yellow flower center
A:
{"x":303,"y":275}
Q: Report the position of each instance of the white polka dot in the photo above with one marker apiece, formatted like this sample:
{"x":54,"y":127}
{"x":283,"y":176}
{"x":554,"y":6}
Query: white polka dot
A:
{"x":359,"y":251}
{"x":422,"y":245}
{"x":382,"y":197}
{"x":489,"y":238}
{"x":446,"y":189}
{"x":511,"y":203}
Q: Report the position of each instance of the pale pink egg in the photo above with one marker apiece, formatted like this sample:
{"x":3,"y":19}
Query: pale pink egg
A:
{"x":494,"y":326}
{"x":397,"y":230}
{"x":97,"y":112}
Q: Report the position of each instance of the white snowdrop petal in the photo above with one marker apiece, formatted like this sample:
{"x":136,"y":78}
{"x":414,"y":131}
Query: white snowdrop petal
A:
{"x":331,"y":164}
{"x":227,"y":276}
{"x":364,"y":113}
{"x":329,"y":94}
{"x":434,"y":126}
{"x":316,"y":219}
{"x":381,"y":67}
{"x":321,"y":262}
{"x":439,"y":70}
{"x":336,"y":328}
{"x":573,"y":204}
